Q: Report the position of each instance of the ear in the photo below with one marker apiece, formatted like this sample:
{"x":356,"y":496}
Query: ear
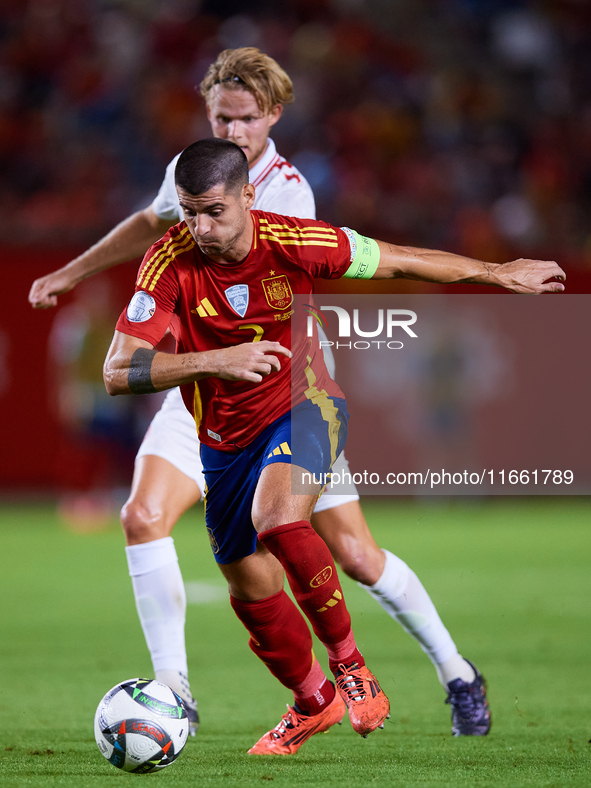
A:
{"x":275,"y":114}
{"x":248,"y":193}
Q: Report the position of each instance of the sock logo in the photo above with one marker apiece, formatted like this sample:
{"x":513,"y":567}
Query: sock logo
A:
{"x":320,"y":698}
{"x":322,"y":577}
{"x":334,"y":600}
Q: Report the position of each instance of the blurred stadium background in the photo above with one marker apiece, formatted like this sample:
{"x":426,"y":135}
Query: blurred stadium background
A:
{"x":458,"y":124}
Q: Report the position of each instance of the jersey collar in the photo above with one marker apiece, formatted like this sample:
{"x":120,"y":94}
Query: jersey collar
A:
{"x":262,"y":164}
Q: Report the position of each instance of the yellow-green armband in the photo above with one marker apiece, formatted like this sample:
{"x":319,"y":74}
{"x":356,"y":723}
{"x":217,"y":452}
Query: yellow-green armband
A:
{"x":365,"y":255}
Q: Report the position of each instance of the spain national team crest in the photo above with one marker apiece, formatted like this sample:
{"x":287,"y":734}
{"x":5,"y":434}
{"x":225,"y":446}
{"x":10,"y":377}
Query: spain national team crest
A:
{"x":278,"y":292}
{"x":237,"y":296}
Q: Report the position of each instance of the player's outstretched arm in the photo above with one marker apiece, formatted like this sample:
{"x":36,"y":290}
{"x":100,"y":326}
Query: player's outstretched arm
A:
{"x":133,"y":366}
{"x":429,"y":265}
{"x":129,"y":239}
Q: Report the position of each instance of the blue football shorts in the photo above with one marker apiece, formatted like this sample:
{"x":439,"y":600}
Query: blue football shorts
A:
{"x":312,"y":436}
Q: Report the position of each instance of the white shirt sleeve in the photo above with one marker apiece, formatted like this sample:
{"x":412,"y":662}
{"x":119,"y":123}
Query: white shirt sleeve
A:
{"x":166,"y":203}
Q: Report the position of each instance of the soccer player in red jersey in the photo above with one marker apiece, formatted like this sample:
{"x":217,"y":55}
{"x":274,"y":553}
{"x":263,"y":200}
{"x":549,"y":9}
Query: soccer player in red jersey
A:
{"x":244,"y":91}
{"x":239,"y":395}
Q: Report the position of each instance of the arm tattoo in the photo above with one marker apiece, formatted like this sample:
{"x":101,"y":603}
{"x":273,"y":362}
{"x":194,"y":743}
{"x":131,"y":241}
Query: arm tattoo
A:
{"x":139,"y":378}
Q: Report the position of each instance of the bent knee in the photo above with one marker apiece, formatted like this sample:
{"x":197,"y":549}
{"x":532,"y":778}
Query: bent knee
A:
{"x":362,"y":563}
{"x":142,"y":523}
{"x":358,"y":567}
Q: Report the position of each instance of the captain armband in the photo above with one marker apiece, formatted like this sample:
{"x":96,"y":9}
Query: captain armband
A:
{"x":365,"y":255}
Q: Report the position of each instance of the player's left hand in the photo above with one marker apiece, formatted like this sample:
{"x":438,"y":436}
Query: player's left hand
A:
{"x":531,"y":276}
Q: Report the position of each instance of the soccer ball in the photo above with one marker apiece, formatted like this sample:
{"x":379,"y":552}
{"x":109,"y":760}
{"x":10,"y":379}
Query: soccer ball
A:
{"x":141,"y":726}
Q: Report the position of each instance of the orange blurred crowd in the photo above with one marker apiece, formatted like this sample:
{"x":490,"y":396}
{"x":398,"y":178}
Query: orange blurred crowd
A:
{"x":463,"y":124}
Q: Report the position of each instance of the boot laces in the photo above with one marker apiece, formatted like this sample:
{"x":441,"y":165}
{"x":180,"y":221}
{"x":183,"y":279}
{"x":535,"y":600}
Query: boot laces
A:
{"x":351,"y":682}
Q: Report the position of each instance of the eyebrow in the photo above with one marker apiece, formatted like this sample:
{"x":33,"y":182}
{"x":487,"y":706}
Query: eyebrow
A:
{"x":217,"y":204}
{"x":252,"y":114}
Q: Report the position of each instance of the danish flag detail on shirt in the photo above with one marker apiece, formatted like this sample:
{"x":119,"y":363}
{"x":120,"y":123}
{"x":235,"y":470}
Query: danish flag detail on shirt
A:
{"x":278,"y":162}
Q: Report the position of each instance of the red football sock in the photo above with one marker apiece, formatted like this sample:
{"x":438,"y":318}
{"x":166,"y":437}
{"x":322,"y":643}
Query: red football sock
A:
{"x":314,"y":582}
{"x":280,"y":637}
{"x":315,"y":692}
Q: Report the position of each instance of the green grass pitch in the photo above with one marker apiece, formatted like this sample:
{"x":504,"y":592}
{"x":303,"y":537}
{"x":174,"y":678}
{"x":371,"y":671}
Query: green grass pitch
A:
{"x":511,"y":580}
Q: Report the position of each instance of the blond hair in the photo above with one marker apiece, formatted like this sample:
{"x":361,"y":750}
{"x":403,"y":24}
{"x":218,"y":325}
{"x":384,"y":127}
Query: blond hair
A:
{"x":248,"y":68}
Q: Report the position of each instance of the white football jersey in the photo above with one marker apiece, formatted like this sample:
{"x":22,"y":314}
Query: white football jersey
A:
{"x":280,"y":188}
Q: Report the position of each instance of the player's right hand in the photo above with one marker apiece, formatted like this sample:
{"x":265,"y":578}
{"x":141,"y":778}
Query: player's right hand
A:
{"x":45,"y":290}
{"x":251,"y":361}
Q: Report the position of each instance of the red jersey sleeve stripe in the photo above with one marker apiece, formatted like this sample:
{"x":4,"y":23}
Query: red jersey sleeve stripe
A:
{"x":287,"y":233}
{"x":164,"y":259}
{"x":282,"y":229}
{"x":298,"y":242}
{"x":147,"y":263}
{"x":172,"y":245}
{"x":301,"y":236}
{"x":184,"y":247}
{"x":152,"y":263}
{"x":169,"y":259}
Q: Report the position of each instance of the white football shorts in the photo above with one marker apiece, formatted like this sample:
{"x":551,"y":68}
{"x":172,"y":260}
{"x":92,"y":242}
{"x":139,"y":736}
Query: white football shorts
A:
{"x":341,"y":492}
{"x":172,"y":436}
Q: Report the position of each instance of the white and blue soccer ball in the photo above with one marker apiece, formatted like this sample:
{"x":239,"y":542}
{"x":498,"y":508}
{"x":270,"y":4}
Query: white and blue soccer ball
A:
{"x":141,"y":726}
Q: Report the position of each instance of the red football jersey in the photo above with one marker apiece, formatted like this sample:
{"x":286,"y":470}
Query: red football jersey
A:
{"x":211,"y":305}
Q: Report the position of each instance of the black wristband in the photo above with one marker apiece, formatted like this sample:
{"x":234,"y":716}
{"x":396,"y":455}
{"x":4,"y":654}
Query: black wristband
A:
{"x":139,"y":378}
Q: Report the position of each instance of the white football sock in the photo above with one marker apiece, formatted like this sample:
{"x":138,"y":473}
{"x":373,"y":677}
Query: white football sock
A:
{"x":455,"y":667}
{"x":177,"y":681}
{"x":400,"y":592}
{"x":161,"y":602}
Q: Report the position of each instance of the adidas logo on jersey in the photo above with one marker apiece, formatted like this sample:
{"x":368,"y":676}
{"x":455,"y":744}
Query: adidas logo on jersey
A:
{"x":204,"y":309}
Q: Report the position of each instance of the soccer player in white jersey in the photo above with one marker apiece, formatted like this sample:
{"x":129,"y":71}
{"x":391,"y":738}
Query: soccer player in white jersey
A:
{"x":245,"y":91}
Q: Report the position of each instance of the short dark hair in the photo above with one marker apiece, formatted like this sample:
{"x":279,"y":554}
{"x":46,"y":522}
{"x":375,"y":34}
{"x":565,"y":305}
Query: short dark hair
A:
{"x":209,"y":162}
